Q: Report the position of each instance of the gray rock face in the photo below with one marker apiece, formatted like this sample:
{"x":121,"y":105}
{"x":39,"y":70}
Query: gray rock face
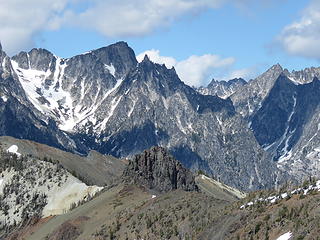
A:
{"x":18,"y":116}
{"x":303,"y":76}
{"x":120,"y":55}
{"x":287,"y":126}
{"x":222,"y":89}
{"x":70,"y":90}
{"x":247,"y":100}
{"x":39,"y":59}
{"x":282,"y":110}
{"x":157,"y":169}
{"x":153,"y":107}
{"x":104,"y":100}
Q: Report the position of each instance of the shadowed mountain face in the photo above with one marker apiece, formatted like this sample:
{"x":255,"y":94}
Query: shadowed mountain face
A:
{"x":282,"y":109}
{"x":284,"y":113}
{"x":287,"y":123}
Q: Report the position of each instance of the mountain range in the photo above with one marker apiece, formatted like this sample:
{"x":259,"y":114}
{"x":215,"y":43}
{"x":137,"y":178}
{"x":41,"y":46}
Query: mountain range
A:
{"x":250,"y":135}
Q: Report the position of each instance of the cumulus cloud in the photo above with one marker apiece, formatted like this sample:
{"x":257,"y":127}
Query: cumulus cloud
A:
{"x":135,"y":18}
{"x":301,"y":38}
{"x":20,"y":20}
{"x":195,"y":70}
{"x":245,"y":73}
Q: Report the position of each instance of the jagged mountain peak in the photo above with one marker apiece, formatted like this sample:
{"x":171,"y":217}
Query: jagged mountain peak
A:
{"x":222,"y":89}
{"x":241,"y":80}
{"x":118,"y":56}
{"x":272,"y":73}
{"x":214,"y":82}
{"x":146,"y":58}
{"x":276,"y":67}
{"x":37,"y":59}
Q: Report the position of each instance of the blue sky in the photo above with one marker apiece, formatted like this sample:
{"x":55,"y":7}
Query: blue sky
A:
{"x":217,"y":38}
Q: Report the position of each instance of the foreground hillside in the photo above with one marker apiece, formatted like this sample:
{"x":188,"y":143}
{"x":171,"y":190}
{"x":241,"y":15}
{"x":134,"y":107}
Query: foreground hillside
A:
{"x":131,"y":212}
{"x":93,"y":169}
{"x":31,"y":188}
{"x":156,"y":198}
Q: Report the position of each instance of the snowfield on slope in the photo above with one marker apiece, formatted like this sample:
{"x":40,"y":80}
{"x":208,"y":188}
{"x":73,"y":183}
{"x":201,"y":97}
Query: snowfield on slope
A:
{"x":33,"y":187}
{"x":72,"y":191}
{"x":14,"y":149}
{"x":285,"y":236}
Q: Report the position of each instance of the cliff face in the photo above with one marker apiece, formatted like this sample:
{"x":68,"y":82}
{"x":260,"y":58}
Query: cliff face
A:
{"x":156,"y":169}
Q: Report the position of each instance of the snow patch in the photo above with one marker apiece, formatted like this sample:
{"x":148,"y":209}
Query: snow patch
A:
{"x":14,"y":149}
{"x":286,"y":154}
{"x":111,"y":69}
{"x":132,"y":108}
{"x":61,"y":198}
{"x":285,"y":236}
{"x":275,"y":198}
{"x":153,"y":196}
{"x":58,"y":101}
{"x":4,"y":98}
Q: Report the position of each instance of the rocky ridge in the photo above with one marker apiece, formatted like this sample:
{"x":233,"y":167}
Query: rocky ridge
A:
{"x":158,"y":170}
{"x":222,"y":89}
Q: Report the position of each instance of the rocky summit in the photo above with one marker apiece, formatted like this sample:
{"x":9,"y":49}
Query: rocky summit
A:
{"x":157,"y":169}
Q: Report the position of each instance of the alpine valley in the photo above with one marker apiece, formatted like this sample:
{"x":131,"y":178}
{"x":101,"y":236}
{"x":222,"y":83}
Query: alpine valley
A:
{"x":101,"y":146}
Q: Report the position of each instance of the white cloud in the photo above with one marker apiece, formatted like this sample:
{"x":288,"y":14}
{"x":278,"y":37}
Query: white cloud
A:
{"x":195,"y":70}
{"x":301,"y":38}
{"x":20,"y":20}
{"x":245,"y":73}
{"x":114,"y":18}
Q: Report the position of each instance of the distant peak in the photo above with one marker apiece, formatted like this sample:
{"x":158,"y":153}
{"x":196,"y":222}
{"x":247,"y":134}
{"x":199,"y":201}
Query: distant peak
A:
{"x":146,"y":62}
{"x":118,"y":45}
{"x":115,"y":47}
{"x":212,"y":83}
{"x":172,"y":69}
{"x":121,"y":43}
{"x":40,"y":51}
{"x":241,"y":80}
{"x":277,"y":67}
{"x":146,"y":58}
